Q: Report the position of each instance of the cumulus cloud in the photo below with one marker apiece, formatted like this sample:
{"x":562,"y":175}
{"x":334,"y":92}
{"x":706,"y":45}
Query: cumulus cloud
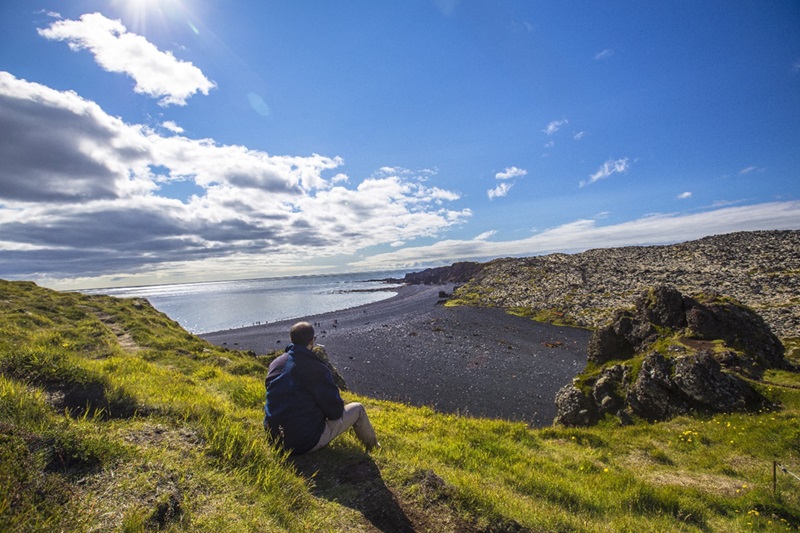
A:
{"x":581,"y":235}
{"x":499,"y":191}
{"x":80,"y":195}
{"x":171,"y":126}
{"x":684,"y":195}
{"x":504,"y":186}
{"x":511,"y":172}
{"x":554,"y":126}
{"x":608,"y":168}
{"x":157,"y":74}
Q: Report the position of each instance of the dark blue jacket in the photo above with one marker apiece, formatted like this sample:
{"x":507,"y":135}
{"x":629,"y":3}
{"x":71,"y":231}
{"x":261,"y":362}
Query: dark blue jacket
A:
{"x":299,"y":399}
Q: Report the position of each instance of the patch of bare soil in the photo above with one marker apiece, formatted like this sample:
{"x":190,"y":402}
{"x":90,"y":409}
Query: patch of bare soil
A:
{"x":124,"y":338}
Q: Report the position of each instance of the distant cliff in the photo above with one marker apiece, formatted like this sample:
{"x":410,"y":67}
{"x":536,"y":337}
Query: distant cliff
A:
{"x":761,"y":269}
{"x":455,"y":273}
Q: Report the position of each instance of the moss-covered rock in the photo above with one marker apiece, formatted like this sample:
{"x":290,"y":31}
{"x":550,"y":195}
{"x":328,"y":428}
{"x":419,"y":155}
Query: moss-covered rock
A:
{"x":695,"y":357}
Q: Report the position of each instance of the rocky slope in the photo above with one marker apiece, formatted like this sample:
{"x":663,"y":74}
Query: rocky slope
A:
{"x":759,"y":269}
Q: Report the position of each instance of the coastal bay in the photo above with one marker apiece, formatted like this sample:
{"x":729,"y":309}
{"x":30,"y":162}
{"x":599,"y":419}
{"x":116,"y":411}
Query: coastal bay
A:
{"x":410,"y":348}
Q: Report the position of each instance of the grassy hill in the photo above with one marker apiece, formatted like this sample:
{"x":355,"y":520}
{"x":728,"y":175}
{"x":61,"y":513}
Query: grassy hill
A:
{"x":112,"y":417}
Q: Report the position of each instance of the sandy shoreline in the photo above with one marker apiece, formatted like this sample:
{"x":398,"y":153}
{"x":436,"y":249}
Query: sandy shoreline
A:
{"x":407,"y":348}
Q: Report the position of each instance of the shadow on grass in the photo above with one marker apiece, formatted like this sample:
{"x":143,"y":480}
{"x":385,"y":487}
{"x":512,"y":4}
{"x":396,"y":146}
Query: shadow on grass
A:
{"x":349,"y":477}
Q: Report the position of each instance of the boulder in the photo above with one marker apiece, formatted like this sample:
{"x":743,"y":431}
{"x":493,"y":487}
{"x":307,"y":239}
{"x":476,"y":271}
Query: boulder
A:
{"x":663,"y":307}
{"x":668,"y":387}
{"x":706,"y":387}
{"x":663,"y":311}
{"x":608,"y":390}
{"x":739,"y":327}
{"x":574,"y":407}
{"x":653,"y":396}
{"x":609,"y":343}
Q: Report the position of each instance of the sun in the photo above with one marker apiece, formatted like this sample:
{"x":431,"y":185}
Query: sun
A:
{"x":141,"y":16}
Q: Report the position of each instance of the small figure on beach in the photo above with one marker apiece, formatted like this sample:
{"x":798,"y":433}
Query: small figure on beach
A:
{"x":304,"y":410}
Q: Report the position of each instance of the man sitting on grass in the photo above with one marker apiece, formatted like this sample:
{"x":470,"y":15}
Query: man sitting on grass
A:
{"x":304,"y":410}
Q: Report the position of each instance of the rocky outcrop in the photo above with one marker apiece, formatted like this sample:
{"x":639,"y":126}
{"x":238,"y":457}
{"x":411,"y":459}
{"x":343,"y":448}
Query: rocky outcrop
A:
{"x":760,"y":269}
{"x":455,"y":273}
{"x":663,"y":311}
{"x":672,"y":355}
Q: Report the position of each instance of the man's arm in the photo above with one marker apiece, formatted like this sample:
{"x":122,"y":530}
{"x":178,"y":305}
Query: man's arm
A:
{"x":324,"y":390}
{"x":276,"y":367}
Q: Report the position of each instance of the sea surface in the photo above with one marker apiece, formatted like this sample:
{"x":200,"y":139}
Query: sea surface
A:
{"x":220,"y":305}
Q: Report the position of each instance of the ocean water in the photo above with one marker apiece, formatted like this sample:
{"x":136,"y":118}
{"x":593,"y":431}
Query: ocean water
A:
{"x":220,"y":305}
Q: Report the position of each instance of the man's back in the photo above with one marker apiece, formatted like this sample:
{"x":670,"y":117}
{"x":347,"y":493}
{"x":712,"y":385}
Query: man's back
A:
{"x":300,"y":398}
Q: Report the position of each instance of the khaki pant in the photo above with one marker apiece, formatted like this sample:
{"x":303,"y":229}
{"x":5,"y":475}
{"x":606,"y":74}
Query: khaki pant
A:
{"x":354,"y":416}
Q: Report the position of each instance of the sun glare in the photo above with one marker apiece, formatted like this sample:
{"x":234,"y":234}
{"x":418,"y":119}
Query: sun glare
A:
{"x":154,"y":15}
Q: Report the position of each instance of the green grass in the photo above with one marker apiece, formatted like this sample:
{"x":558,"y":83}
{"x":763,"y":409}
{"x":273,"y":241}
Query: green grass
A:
{"x":554,"y":316}
{"x":112,"y":417}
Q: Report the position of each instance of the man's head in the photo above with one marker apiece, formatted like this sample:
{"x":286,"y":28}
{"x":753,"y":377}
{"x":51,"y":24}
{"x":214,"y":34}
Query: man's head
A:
{"x":302,"y":334}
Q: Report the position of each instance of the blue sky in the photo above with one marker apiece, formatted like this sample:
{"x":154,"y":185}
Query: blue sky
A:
{"x":184,"y":140}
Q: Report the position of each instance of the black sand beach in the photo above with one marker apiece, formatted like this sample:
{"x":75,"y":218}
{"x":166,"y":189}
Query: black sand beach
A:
{"x":408,"y":348}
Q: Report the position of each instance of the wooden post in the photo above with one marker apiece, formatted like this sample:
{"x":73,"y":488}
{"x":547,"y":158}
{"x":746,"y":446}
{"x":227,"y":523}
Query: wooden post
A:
{"x":774,"y":477}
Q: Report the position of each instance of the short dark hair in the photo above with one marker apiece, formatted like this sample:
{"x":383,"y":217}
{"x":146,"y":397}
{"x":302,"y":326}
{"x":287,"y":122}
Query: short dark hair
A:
{"x":302,"y":333}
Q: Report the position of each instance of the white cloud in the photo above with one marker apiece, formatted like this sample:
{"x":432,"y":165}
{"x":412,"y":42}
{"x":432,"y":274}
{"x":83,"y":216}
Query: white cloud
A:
{"x":499,"y":191}
{"x":580,"y":135}
{"x":604,"y":54}
{"x":80,"y":195}
{"x":511,"y":172}
{"x":505,"y":186}
{"x":171,"y":126}
{"x":608,"y":168}
{"x":750,"y":169}
{"x":582,"y":235}
{"x":554,"y":126}
{"x":725,"y":203}
{"x":684,"y":195}
{"x":157,"y":74}
{"x":485,"y":235}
